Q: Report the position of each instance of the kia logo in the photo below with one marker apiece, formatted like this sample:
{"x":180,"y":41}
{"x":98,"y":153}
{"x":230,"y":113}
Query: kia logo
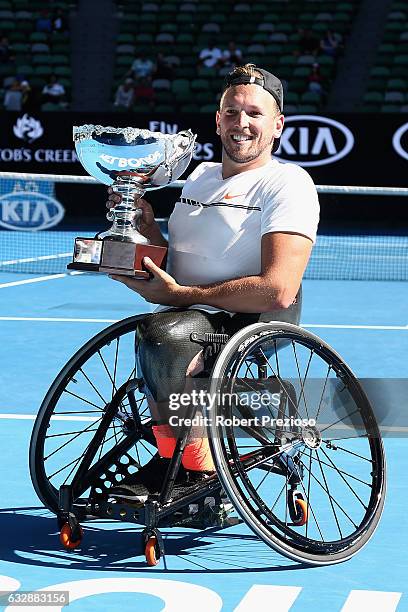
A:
{"x":310,"y":140}
{"x":400,"y":143}
{"x":29,"y":211}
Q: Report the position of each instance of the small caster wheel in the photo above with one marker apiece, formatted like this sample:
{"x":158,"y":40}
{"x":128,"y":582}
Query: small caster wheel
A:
{"x":152,"y":551}
{"x":298,"y":509}
{"x":302,"y":512}
{"x":66,"y":537}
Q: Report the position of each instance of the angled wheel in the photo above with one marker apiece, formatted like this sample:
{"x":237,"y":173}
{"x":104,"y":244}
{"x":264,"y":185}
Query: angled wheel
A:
{"x":152,"y":552}
{"x":298,"y":509}
{"x":66,"y":538}
{"x":314,"y":434}
{"x":73,"y":409}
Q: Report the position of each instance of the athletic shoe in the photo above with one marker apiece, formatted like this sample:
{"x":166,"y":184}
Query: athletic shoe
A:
{"x":146,"y":481}
{"x":137,"y":487}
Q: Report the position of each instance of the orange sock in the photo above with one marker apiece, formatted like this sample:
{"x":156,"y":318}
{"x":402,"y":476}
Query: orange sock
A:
{"x":197,"y":455}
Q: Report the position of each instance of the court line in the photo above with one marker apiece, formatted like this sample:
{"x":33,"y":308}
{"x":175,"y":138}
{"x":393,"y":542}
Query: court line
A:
{"x":329,"y":326}
{"x":58,"y":320}
{"x":37,"y":279}
{"x":31,"y":417}
{"x":305,"y":325}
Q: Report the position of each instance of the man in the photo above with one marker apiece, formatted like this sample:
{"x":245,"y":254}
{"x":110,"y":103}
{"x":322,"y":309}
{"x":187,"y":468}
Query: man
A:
{"x":239,"y":241}
{"x":141,"y":68}
{"x":211,"y":56}
{"x":125,"y":94}
{"x":231,"y":56}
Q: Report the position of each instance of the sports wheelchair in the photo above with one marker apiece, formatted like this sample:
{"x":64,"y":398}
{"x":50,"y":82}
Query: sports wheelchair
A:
{"x":303,"y":467}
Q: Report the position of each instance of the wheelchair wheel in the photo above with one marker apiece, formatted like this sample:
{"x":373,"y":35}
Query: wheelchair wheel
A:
{"x":73,"y":408}
{"x":296,"y":443}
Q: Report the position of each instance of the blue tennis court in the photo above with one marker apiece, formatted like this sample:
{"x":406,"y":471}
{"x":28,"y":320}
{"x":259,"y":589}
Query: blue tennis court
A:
{"x":44,"y":320}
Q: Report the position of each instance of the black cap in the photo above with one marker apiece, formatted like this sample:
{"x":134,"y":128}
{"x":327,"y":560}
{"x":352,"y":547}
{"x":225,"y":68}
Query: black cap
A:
{"x":269,"y":82}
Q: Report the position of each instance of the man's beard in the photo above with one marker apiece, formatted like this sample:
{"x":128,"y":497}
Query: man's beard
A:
{"x":239,"y":158}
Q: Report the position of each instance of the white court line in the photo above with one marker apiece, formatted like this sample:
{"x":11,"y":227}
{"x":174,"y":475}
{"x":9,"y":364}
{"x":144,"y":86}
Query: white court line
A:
{"x":58,"y":320}
{"x":37,"y":279}
{"x":306,"y":325}
{"x":322,"y":325}
{"x":32,"y":259}
{"x":32,"y":417}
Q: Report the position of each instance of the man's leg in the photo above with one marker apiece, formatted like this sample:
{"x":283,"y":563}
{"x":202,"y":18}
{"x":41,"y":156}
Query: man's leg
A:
{"x":168,"y":359}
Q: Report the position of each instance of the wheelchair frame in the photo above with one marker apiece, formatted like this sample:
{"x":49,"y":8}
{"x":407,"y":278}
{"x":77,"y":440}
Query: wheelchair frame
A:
{"x":278,"y":456}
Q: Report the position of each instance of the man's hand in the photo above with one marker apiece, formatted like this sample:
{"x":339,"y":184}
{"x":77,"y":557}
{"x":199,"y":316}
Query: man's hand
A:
{"x":161,"y":289}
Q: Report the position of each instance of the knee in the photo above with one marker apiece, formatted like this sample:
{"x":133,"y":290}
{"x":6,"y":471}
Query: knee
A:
{"x":158,"y":330}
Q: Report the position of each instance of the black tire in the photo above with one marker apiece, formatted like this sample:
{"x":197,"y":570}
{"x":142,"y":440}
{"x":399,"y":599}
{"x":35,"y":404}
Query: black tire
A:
{"x":81,"y":392}
{"x":340,"y":474}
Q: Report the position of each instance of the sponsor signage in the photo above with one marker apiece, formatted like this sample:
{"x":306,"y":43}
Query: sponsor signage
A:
{"x":343,"y":149}
{"x":29,"y":206}
{"x":400,"y":141}
{"x":311,"y":140}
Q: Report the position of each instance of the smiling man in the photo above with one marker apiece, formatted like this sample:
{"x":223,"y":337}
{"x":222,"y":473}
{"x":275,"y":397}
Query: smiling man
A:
{"x":240,"y":237}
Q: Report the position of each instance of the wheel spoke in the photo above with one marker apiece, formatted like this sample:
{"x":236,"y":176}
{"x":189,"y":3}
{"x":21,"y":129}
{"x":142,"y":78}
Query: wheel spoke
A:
{"x":331,"y":497}
{"x":93,"y":386}
{"x":302,"y":382}
{"x":86,"y":430}
{"x":343,"y":478}
{"x":82,"y":399}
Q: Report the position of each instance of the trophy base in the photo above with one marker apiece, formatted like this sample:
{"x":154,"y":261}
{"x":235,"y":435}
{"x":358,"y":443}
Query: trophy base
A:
{"x":115,"y":257}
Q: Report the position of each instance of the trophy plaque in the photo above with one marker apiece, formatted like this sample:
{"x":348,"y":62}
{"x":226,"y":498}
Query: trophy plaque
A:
{"x":131,"y":161}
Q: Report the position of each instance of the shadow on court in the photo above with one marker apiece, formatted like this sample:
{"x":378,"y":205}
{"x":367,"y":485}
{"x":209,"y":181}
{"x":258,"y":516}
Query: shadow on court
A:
{"x":30,"y":537}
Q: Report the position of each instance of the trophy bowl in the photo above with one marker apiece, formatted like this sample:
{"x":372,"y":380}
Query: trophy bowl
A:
{"x":131,"y":161}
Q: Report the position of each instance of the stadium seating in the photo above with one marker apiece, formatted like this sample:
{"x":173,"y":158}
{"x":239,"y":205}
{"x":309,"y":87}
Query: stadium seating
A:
{"x":266,"y":32}
{"x":387,"y":85}
{"x":36,"y":54}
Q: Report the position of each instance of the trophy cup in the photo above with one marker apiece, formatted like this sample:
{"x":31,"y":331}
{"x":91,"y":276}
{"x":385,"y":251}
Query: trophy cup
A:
{"x":131,"y":161}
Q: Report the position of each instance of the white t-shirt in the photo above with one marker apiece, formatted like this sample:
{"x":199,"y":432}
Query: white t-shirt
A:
{"x":217,"y":224}
{"x":210,"y":57}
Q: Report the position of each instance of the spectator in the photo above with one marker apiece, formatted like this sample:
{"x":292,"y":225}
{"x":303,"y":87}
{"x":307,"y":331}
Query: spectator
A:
{"x":211,"y":56}
{"x":13,"y":99}
{"x":53,"y":91}
{"x":315,"y":79}
{"x":44,"y":23}
{"x":232,"y":56}
{"x":144,"y":93}
{"x":308,"y":43}
{"x":163,"y":69}
{"x":59,"y":22}
{"x":141,"y":68}
{"x":125,"y":94}
{"x":330,"y":44}
{"x":6,"y":51}
{"x":30,"y":102}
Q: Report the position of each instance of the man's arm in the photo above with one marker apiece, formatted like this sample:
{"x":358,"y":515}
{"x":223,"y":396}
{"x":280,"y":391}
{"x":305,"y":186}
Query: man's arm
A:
{"x":284,"y":259}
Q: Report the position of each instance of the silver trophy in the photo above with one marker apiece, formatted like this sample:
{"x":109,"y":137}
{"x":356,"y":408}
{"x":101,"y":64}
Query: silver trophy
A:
{"x":131,"y":161}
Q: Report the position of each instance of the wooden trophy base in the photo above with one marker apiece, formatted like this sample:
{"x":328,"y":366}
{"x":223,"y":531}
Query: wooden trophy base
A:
{"x":114,"y":257}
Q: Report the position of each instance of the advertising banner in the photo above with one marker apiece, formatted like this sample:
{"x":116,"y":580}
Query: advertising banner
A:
{"x":336,"y":150}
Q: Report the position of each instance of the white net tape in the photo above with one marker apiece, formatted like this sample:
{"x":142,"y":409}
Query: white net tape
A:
{"x":89,"y":180}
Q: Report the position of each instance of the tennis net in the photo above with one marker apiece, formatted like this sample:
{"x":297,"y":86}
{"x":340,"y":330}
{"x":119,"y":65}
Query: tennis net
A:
{"x":334,"y":257}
